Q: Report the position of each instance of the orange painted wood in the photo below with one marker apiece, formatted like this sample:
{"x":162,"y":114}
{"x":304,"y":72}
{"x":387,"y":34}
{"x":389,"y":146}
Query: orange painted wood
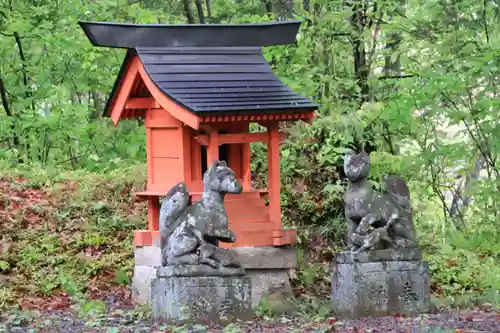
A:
{"x":274,"y":182}
{"x":160,"y":118}
{"x":284,"y":237}
{"x":167,"y":157}
{"x":167,"y":171}
{"x":246,"y":170}
{"x":234,"y":159}
{"x":235,"y":151}
{"x":202,"y":139}
{"x":144,"y":195}
{"x":247,"y":238}
{"x":149,"y":156}
{"x":186,"y":153}
{"x":246,"y":213}
{"x":213,"y":147}
{"x":173,"y":108}
{"x":235,"y":138}
{"x":153,"y":213}
{"x":243,"y":238}
{"x":195,"y":161}
{"x":166,"y":142}
{"x":231,"y":138}
{"x":246,"y":167}
{"x":124,"y":92}
{"x":141,"y":103}
{"x":252,"y":194}
{"x":146,"y":238}
{"x":251,"y":238}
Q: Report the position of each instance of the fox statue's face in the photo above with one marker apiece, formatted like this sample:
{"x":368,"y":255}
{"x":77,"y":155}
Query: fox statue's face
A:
{"x":220,"y":178}
{"x":356,"y":166}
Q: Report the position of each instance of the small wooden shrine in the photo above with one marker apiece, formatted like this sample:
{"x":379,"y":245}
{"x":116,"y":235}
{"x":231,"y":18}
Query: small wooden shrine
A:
{"x":199,"y":87}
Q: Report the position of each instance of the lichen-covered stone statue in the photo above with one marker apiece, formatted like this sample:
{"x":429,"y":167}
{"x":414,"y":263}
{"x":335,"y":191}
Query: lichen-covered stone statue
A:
{"x":382,"y":273}
{"x":388,"y":213}
{"x":200,"y":282}
{"x":190,"y":233}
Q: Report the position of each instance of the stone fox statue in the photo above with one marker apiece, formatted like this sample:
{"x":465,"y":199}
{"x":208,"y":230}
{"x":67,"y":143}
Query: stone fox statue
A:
{"x":189,"y":233}
{"x":388,"y":212}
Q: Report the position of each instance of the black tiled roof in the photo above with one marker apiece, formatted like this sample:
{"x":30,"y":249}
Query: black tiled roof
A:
{"x":220,"y":79}
{"x":213,"y":68}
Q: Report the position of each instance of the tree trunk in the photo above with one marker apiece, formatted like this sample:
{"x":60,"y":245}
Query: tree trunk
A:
{"x":209,"y":9}
{"x":461,"y":200}
{"x":392,"y":67}
{"x":199,"y":7}
{"x":285,"y":10}
{"x":269,"y":6}
{"x":188,"y":11}
{"x":8,"y":112}
{"x":358,"y":23}
{"x":3,"y":96}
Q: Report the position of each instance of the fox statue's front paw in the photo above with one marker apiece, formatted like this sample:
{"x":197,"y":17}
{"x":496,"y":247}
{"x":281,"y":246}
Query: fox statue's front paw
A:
{"x":362,"y":230}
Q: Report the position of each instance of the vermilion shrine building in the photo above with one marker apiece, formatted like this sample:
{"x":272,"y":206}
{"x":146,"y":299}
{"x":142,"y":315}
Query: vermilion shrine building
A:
{"x":199,"y":87}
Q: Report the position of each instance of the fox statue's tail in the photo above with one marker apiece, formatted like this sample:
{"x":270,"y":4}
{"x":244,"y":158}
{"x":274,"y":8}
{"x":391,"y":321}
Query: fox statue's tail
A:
{"x":175,"y":202}
{"x":396,"y":187}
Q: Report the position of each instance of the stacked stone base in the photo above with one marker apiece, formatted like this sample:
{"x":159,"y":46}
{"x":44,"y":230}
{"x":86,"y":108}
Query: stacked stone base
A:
{"x":266,"y":266}
{"x":380,"y":283}
{"x":206,"y":300}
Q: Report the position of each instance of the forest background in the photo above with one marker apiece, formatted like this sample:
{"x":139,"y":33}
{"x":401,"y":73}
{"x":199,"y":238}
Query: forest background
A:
{"x":415,"y":83}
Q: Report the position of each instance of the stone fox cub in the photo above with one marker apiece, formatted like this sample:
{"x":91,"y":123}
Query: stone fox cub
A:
{"x":388,"y":212}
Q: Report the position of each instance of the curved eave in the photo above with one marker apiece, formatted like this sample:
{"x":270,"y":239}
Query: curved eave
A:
{"x":118,"y":35}
{"x":116,"y":86}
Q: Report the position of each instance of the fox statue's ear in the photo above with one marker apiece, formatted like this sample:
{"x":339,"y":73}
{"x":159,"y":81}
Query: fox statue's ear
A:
{"x":212,"y":168}
{"x":179,"y":187}
{"x":221,"y":163}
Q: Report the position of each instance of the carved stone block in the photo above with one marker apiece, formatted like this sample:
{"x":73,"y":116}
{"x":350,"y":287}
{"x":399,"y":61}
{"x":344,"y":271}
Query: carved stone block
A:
{"x":198,"y":270}
{"x":405,"y":254}
{"x":379,"y":288}
{"x":209,"y":300}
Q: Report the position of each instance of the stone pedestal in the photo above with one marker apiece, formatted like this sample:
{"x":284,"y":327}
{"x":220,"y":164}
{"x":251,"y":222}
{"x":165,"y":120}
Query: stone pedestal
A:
{"x":147,"y":260}
{"x":266,"y":266}
{"x":207,"y":300}
{"x":380,"y":283}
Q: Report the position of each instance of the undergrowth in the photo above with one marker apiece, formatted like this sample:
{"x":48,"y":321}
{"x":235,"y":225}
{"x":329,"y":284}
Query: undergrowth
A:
{"x":66,"y":233}
{"x":70,"y":233}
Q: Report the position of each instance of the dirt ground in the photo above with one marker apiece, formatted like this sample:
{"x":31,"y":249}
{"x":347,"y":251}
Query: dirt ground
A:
{"x":121,"y":320}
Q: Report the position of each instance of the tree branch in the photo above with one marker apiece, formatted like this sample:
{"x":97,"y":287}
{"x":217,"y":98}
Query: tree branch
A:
{"x":388,"y":77}
{"x":475,"y":139}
